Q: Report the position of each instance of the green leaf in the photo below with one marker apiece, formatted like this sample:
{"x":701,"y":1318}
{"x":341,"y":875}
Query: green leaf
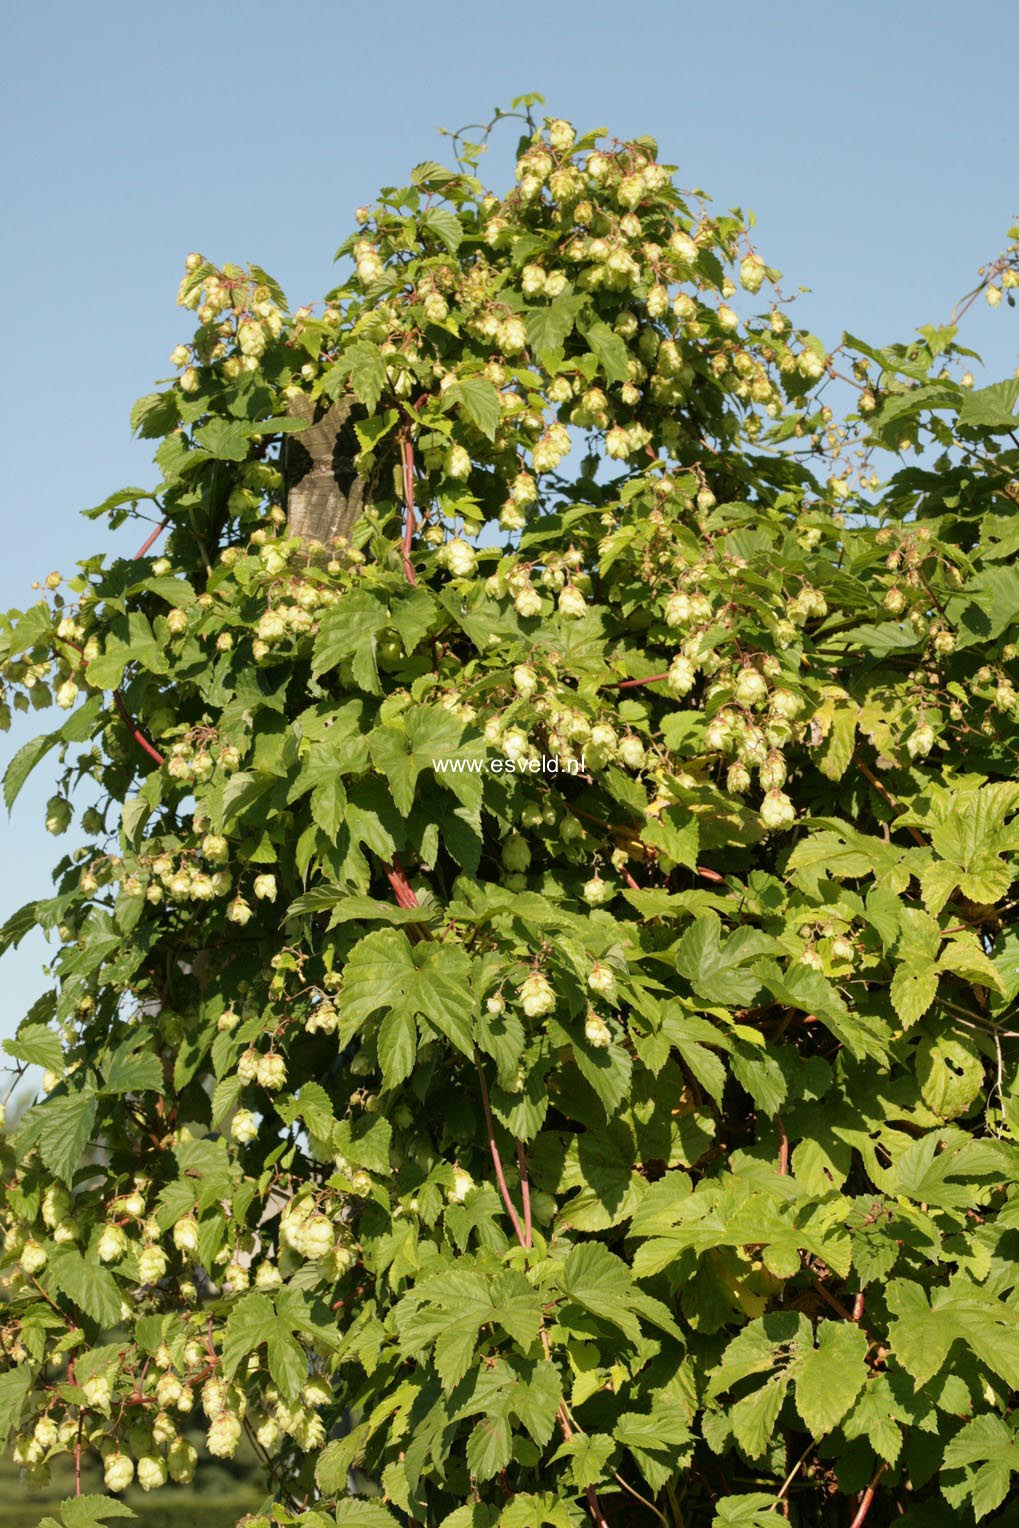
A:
{"x":992,"y":408}
{"x":691,"y":1036}
{"x":589,"y":1454}
{"x":757,"y":1349}
{"x":226,"y":1096}
{"x":333,"y":1466}
{"x":838,"y":750}
{"x":87,"y":1511}
{"x":478,"y":400}
{"x":366,"y":367}
{"x":759,"y":1072}
{"x":61,"y":1128}
{"x":353,"y":909}
{"x":887,"y":637}
{"x":608,"y":1071}
{"x":397,"y":1046}
{"x":23,"y":763}
{"x":610,"y":350}
{"x":288,"y":1362}
{"x":379,"y":971}
{"x":875,"y":1415}
{"x":986,"y":607}
{"x":263,"y":278}
{"x":152,"y":416}
{"x":371,"y":431}
{"x":716,"y":971}
{"x":348,"y":630}
{"x":535,"y":1400}
{"x":489,"y":1447}
{"x":529,"y":1510}
{"x":658,"y":1440}
{"x":925,"y":1168}
{"x":251,"y":1322}
{"x":549,"y":326}
{"x":680,"y":844}
{"x":241,"y":793}
{"x":429,"y":174}
{"x":753,"y":1418}
{"x":413,"y":612}
{"x":92,"y":1288}
{"x":365,"y":1142}
{"x":313,"y":1105}
{"x":225,"y":439}
{"x":444,"y":225}
{"x":455,"y":1347}
{"x":18,"y":925}
{"x":475,"y":1515}
{"x":442,"y":993}
{"x":923,"y":1331}
{"x":14,"y":1387}
{"x":913,"y":992}
{"x":133,"y":1071}
{"x":319,"y":775}
{"x":354,"y":1513}
{"x":425,"y":738}
{"x":963,"y":955}
{"x":754,"y":1510}
{"x":828,"y":1378}
{"x":38,"y":1045}
{"x":950,"y":1071}
{"x":986,"y":1441}
{"x":938,"y":881}
{"x":599,"y":1281}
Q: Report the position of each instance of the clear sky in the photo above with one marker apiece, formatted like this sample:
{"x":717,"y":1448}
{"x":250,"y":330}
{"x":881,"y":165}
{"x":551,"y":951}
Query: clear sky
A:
{"x":874,"y":139}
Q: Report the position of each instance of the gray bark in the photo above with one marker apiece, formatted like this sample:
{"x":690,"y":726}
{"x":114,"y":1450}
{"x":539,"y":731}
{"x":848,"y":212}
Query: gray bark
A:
{"x":324,"y":494}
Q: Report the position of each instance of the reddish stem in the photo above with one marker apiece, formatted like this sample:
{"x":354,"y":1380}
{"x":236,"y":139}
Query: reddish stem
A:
{"x":783,"y":1147}
{"x":402,"y":889}
{"x":597,"y":1515}
{"x":630,"y":684}
{"x":886,"y":796}
{"x":118,"y":699}
{"x":500,"y":1176}
{"x":858,"y":1307}
{"x":628,"y":878}
{"x":525,"y":1194}
{"x":136,"y":732}
{"x":150,"y":540}
{"x":710,"y":875}
{"x":867,"y":1499}
{"x":830,"y":1299}
{"x":404,"y":894}
{"x":409,"y":519}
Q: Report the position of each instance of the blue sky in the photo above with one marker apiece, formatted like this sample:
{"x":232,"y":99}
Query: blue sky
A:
{"x":875,"y":141}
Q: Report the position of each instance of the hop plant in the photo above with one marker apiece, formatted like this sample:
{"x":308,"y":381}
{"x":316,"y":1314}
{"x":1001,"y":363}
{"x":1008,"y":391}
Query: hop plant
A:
{"x":601,"y":979}
{"x":537,"y":996}
{"x":596,"y":1032}
{"x":542,"y":929}
{"x":118,"y":1471}
{"x":596,"y":891}
{"x":152,"y":1264}
{"x":185,"y":1234}
{"x":224,"y":1435}
{"x":777,"y":810}
{"x":112,"y":1244}
{"x":151,"y":1472}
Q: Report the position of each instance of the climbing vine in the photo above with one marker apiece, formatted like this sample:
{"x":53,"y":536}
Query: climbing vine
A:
{"x":530,"y":1032}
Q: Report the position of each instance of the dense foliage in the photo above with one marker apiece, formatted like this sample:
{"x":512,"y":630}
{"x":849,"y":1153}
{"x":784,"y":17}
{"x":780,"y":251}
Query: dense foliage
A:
{"x":528,"y":1039}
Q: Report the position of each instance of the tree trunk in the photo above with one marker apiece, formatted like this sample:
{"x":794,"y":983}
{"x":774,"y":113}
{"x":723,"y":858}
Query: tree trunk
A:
{"x":325,"y":496}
